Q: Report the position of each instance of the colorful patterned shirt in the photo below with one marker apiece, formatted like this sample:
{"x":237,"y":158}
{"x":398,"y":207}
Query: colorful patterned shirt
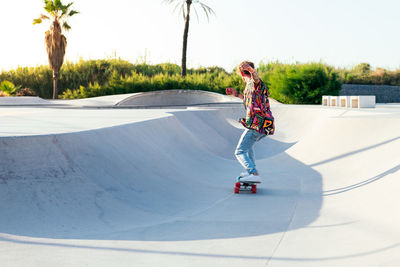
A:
{"x":258,"y":113}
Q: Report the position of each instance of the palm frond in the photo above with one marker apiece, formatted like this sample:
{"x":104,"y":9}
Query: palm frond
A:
{"x":72,"y":12}
{"x":57,"y":10}
{"x":37,"y":21}
{"x":42,"y":16}
{"x":67,"y":6}
{"x":183,"y":11}
{"x":58,"y":5}
{"x":180,"y":4}
{"x":208,"y":10}
{"x":171,"y":1}
{"x":66,"y":26}
{"x":197,"y":14}
{"x":49,"y":6}
{"x":65,"y":9}
{"x":176,"y":6}
{"x":63,"y":12}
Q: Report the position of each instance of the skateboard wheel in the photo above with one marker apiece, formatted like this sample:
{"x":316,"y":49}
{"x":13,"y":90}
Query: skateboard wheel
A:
{"x":236,"y":190}
{"x":237,"y":184}
{"x":254,"y":189}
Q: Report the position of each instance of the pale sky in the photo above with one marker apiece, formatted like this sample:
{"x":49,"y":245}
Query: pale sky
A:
{"x":341,"y":33}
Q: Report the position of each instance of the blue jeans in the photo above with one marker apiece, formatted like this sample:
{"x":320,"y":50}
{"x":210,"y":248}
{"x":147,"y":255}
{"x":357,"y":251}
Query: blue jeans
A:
{"x":244,"y":151}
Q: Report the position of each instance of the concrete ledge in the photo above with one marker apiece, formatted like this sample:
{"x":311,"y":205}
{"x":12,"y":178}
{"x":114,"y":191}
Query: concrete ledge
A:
{"x":176,"y":98}
{"x":326,"y":100}
{"x":22,"y":100}
{"x":362,"y":101}
{"x":334,"y":101}
{"x":344,"y":101}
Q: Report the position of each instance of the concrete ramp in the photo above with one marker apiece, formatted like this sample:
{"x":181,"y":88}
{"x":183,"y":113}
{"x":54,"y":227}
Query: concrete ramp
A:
{"x":159,"y":192}
{"x":23,"y":101}
{"x":176,"y":98}
{"x":152,"y":99}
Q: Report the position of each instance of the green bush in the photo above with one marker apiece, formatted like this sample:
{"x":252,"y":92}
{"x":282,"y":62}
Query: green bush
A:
{"x":8,"y":88}
{"x":72,"y":75}
{"x":137,"y":82}
{"x":300,"y":83}
{"x":38,"y":79}
{"x":362,"y":74}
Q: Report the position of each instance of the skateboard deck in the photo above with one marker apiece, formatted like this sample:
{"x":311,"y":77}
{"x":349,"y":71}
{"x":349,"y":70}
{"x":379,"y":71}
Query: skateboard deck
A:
{"x":245,"y":186}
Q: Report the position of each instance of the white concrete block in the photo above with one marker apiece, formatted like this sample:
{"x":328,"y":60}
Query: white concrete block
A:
{"x":345,"y":101}
{"x":326,"y":100}
{"x":363,"y":101}
{"x":334,"y":101}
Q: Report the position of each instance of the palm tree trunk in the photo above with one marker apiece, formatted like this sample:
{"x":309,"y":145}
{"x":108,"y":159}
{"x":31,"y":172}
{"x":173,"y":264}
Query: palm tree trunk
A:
{"x":185,"y":38}
{"x":55,"y":80}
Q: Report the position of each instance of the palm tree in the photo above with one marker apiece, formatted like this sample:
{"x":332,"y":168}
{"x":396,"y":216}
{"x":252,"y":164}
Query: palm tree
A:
{"x":54,"y":39}
{"x":184,"y":6}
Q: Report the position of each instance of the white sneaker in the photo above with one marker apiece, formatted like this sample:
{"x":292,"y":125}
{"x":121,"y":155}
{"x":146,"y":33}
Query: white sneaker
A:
{"x":251,"y":178}
{"x":243,"y":174}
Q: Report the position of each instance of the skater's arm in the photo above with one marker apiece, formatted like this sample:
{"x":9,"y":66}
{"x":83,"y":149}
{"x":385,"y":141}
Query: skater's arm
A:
{"x":255,"y":77}
{"x":253,"y":73}
{"x":233,"y":92}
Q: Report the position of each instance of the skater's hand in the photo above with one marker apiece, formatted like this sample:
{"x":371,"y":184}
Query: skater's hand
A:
{"x":249,"y":73}
{"x":247,"y":67}
{"x":231,"y":91}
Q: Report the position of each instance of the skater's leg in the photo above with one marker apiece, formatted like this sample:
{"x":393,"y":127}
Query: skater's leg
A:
{"x":245,"y":144}
{"x":250,"y":153}
{"x":244,"y":151}
{"x":257,"y":137}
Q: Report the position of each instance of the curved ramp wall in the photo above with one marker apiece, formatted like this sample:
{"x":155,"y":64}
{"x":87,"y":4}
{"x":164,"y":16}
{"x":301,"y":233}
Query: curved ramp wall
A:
{"x":330,"y":181}
{"x":115,"y":182}
{"x":176,"y":98}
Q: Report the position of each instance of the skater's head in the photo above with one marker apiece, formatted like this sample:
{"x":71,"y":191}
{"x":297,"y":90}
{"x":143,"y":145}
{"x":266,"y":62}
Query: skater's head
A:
{"x":243,"y":70}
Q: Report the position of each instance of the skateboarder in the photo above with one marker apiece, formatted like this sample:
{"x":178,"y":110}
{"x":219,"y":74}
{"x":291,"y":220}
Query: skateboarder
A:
{"x":259,"y":121}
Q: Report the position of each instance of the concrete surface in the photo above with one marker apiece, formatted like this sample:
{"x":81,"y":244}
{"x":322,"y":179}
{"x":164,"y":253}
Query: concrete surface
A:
{"x":176,"y":97}
{"x":101,"y":101}
{"x":154,"y":187}
{"x":23,"y":100}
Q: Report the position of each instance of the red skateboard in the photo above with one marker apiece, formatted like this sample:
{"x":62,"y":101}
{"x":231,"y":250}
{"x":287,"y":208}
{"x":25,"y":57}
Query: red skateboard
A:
{"x":245,"y":186}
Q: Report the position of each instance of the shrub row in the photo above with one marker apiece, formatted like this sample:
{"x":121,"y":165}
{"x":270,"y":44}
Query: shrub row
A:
{"x":137,"y":82}
{"x":363,"y":74}
{"x":288,"y":83}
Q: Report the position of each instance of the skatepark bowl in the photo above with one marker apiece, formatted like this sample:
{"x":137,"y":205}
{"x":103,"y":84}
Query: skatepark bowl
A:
{"x":108,"y":182}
